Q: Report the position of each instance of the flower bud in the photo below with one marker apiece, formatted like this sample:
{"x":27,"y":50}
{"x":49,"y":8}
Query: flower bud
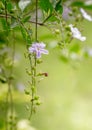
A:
{"x":70,"y":13}
{"x":36,"y":97}
{"x":57,"y":31}
{"x":74,"y":9}
{"x":39,"y":61}
{"x":27,"y":92}
{"x":67,"y":28}
{"x":38,"y":103}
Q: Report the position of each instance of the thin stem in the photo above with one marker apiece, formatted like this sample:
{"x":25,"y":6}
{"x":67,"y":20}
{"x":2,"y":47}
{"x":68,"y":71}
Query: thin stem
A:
{"x":9,"y":97}
{"x":6,"y":10}
{"x":11,"y":102}
{"x":36,"y":20}
{"x":31,"y":106}
{"x":10,"y":82}
{"x":41,"y":24}
{"x":46,"y":18}
{"x":9,"y":16}
{"x":33,"y":64}
{"x":36,"y":31}
{"x":6,"y":111}
{"x":4,"y":16}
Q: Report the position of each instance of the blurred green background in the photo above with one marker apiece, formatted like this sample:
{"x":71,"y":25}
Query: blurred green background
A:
{"x":66,"y":93}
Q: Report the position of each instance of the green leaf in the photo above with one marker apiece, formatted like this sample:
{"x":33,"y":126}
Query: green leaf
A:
{"x":1,"y":5}
{"x":82,"y":5}
{"x":9,"y":6}
{"x":23,"y":32}
{"x":5,"y":26}
{"x":53,"y":18}
{"x":46,"y":5}
{"x":78,"y":3}
{"x":75,"y":48}
{"x":59,"y":7}
{"x":26,"y":36}
{"x":89,"y":7}
{"x":26,"y":19}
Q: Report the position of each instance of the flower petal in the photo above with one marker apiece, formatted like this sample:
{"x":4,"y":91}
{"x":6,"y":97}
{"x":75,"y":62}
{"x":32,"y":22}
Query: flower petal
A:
{"x":38,"y":49}
{"x":42,"y":45}
{"x":76,"y":33}
{"x":85,"y":15}
{"x":44,"y":51}
{"x":38,"y":54}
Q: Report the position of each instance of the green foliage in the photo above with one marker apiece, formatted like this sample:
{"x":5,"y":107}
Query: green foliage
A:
{"x":5,"y":27}
{"x":26,"y":35}
{"x":59,"y":7}
{"x":9,"y":6}
{"x":46,"y":5}
{"x":81,"y":4}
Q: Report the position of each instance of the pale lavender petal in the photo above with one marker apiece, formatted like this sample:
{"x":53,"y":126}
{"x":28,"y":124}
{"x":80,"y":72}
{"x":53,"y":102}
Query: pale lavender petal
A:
{"x":38,"y":54}
{"x":34,"y":45}
{"x":42,"y":45}
{"x":31,"y":50}
{"x":38,"y":48}
{"x":44,"y":51}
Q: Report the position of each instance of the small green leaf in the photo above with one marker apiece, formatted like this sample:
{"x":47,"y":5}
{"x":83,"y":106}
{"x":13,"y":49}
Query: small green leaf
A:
{"x":26,"y":35}
{"x":46,"y":5}
{"x":53,"y":18}
{"x":59,"y":7}
{"x":5,"y":26}
{"x":1,"y":5}
{"x":9,"y":6}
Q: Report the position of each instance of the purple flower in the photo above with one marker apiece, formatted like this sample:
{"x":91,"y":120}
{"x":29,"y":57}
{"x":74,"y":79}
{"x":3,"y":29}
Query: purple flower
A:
{"x":38,"y":49}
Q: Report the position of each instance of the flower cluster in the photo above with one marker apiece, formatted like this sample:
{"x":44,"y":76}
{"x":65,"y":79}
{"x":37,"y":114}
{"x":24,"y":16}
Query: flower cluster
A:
{"x":76,"y":33}
{"x":38,"y":49}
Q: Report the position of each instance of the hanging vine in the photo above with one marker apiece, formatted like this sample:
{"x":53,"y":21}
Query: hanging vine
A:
{"x":35,"y":51}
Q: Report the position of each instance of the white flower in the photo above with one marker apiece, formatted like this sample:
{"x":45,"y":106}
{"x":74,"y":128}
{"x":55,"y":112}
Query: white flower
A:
{"x":76,"y":33}
{"x":85,"y":15}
